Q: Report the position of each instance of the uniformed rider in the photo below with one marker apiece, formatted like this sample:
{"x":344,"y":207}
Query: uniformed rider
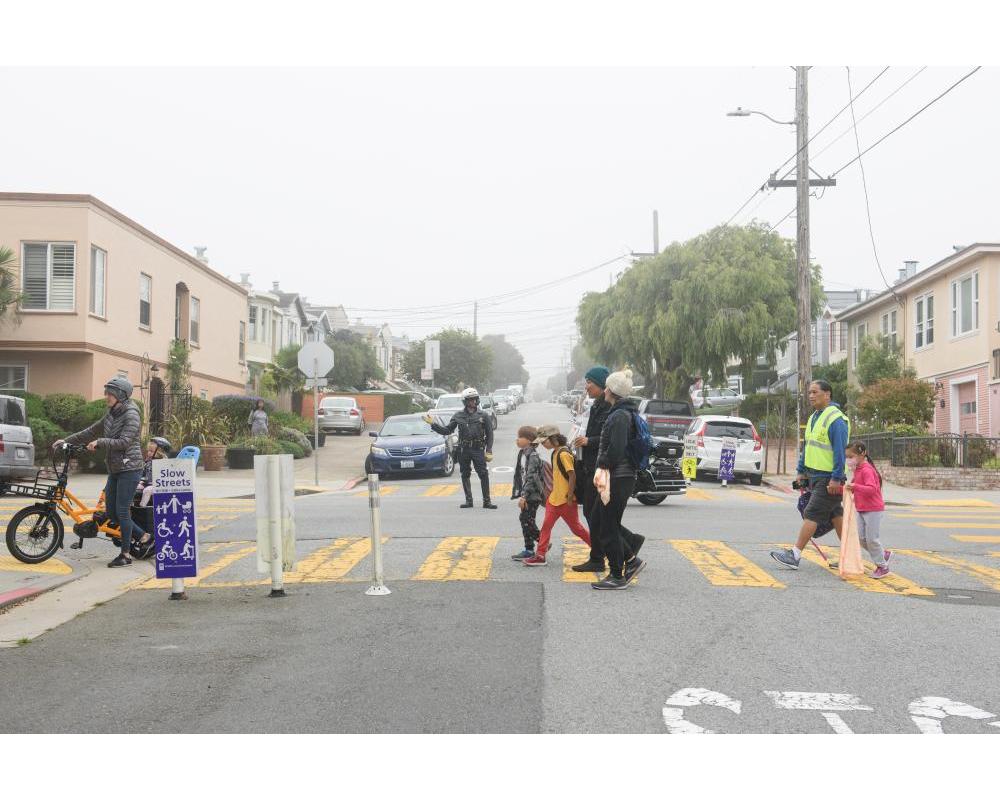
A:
{"x":475,"y":444}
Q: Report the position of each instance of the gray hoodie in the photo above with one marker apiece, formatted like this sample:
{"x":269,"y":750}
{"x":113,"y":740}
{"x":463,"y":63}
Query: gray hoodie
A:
{"x":118,"y":432}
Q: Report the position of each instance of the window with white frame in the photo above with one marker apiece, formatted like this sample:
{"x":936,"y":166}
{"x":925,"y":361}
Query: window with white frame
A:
{"x":48,"y":276}
{"x":13,"y":377}
{"x":264,"y":326}
{"x":253,"y":323}
{"x":860,"y":331}
{"x":923,"y":315}
{"x":98,"y":280}
{"x":145,"y":299}
{"x":965,"y":304}
{"x":195,"y":320}
{"x":243,"y":341}
{"x":889,"y":329}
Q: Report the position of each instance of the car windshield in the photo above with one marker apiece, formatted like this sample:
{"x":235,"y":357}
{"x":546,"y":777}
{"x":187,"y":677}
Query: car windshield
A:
{"x":738,"y":430}
{"x":449,"y":402}
{"x":338,"y":402}
{"x":407,"y":426}
{"x":668,"y":407}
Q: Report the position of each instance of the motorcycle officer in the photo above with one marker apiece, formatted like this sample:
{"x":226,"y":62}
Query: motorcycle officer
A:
{"x":475,"y":444}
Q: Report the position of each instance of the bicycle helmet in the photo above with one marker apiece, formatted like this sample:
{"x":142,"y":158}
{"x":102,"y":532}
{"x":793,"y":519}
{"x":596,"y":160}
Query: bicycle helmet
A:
{"x":161,"y":444}
{"x":119,"y":387}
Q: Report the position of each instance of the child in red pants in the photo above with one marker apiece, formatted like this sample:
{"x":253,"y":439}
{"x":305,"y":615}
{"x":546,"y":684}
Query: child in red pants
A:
{"x":562,"y":499}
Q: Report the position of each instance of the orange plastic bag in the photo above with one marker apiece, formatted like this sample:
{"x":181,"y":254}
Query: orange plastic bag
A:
{"x":850,"y":543}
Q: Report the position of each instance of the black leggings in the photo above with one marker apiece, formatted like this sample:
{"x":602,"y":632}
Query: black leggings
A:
{"x":592,"y":511}
{"x":610,"y":517}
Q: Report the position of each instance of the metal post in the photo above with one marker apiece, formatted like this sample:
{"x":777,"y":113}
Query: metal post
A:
{"x":274,"y":525}
{"x":177,"y":589}
{"x":378,"y":587}
{"x":802,"y":239}
{"x":316,"y":422}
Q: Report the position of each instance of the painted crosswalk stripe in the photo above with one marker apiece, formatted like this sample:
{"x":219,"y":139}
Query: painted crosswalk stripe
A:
{"x":576,"y":552}
{"x":962,"y":515}
{"x":459,"y":558}
{"x":383,"y":491}
{"x":502,"y":489}
{"x":443,"y":490}
{"x":722,"y":565}
{"x":333,"y":562}
{"x":52,"y":566}
{"x":241,"y":551}
{"x":992,"y":526}
{"x":758,"y":497}
{"x":967,"y":537}
{"x":698,"y":494}
{"x":959,"y":502}
{"x":893,"y":583}
{"x":987,"y":575}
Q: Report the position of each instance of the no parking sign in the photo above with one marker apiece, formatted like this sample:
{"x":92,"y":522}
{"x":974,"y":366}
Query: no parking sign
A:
{"x":174,"y":520}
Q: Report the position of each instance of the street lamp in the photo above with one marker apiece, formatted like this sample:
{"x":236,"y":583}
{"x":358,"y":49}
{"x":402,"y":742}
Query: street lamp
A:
{"x":746,"y":112}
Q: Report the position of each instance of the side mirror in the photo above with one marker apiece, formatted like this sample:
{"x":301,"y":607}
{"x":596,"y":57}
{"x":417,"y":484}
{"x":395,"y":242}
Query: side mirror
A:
{"x":373,"y":434}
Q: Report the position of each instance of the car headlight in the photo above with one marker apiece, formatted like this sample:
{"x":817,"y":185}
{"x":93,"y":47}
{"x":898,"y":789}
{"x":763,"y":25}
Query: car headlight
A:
{"x":438,"y":448}
{"x":378,"y":451}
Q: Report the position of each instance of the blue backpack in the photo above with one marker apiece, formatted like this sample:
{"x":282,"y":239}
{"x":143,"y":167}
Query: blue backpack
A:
{"x":641,"y":445}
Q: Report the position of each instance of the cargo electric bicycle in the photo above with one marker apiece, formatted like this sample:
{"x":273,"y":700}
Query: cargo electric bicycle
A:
{"x":35,"y":533}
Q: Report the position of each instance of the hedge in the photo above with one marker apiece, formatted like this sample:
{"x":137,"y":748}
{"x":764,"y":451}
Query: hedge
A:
{"x":296,"y":437}
{"x":291,"y":448}
{"x":261,"y":445}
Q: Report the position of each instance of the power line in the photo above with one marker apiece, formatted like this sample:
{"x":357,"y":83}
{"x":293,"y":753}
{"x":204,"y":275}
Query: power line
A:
{"x":907,"y":120}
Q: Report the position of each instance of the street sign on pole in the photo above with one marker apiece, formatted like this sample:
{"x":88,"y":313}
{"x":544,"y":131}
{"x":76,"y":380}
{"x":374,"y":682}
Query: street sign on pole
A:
{"x":427,"y":375}
{"x":727,"y":460}
{"x":315,"y":361}
{"x":175,"y":523}
{"x":689,"y":464}
{"x":432,"y":354}
{"x":313,"y":383}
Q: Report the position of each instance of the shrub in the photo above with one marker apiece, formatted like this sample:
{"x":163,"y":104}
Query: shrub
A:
{"x":236,"y":408}
{"x":261,"y":445}
{"x":917,"y":454}
{"x":977,"y":451}
{"x":34,"y":404}
{"x":44,"y":432}
{"x":286,"y":419}
{"x":64,"y":409}
{"x":291,"y":448}
{"x":393,"y":404}
{"x":296,"y":437}
{"x":946,"y":453}
{"x":893,"y":401}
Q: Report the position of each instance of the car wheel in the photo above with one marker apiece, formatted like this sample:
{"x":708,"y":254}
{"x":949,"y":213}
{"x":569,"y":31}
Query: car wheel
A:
{"x":449,"y":466}
{"x":755,"y":480}
{"x":368,"y":465}
{"x":651,"y":499}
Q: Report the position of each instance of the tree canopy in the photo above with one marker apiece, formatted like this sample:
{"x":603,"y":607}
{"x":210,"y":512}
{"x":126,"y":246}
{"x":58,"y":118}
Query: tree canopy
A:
{"x":727,"y":294}
{"x":507,"y":363}
{"x":465,"y":360}
{"x":877,"y":361}
{"x":354,"y":361}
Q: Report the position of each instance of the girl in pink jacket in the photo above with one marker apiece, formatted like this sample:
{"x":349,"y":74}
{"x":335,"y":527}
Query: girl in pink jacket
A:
{"x":866,"y":487}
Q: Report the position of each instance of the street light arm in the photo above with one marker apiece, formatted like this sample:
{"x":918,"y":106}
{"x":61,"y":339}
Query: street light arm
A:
{"x":746,"y":112}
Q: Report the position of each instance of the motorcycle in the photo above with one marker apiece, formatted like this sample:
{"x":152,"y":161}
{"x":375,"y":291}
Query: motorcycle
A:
{"x":664,"y":476}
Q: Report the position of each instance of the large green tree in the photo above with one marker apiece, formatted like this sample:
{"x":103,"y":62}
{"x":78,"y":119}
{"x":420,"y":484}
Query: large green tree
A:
{"x":879,"y":361}
{"x":354,"y":361}
{"x":465,"y":360}
{"x":9,"y":295}
{"x":507,"y":363}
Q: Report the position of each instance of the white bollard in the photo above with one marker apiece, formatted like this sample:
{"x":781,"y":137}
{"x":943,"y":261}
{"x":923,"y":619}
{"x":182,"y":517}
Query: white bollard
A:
{"x":274,"y":522}
{"x":177,"y":589}
{"x":378,"y":587}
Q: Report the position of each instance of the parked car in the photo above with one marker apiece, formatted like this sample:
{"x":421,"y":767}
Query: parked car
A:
{"x":507,"y":397}
{"x":446,"y":405}
{"x":340,"y":414}
{"x":406,"y":444}
{"x":667,"y":419}
{"x":709,"y":431}
{"x":487,"y":404}
{"x":716,"y":398}
{"x":17,"y":447}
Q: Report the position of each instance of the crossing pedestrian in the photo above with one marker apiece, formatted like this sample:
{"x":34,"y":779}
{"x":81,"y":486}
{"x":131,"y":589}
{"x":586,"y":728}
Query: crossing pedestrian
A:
{"x":589,"y":444}
{"x":475,"y":444}
{"x":561,"y":503}
{"x":821,"y":468}
{"x":528,"y":488}
{"x":619,"y":428}
{"x":865,"y":486}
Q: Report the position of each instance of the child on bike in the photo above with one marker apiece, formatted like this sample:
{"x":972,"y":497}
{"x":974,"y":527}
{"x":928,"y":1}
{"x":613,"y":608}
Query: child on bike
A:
{"x":562,"y":499}
{"x":866,"y":487}
{"x":528,"y":489}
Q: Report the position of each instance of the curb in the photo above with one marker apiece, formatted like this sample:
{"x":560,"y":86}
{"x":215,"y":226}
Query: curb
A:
{"x":16,"y":597}
{"x":770,"y":484}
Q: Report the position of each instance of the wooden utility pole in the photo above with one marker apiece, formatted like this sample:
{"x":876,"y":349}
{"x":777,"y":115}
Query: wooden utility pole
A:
{"x":802,"y":237}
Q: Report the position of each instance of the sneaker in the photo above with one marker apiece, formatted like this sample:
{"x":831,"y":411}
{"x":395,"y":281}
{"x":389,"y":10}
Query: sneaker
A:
{"x":534,"y":561}
{"x":880,"y":572}
{"x":122,"y":561}
{"x":633,"y":568}
{"x":786,"y":557}
{"x":589,"y":566}
{"x":523,"y":555}
{"x":611,"y":582}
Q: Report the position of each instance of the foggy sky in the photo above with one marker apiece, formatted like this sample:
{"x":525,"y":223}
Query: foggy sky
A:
{"x":401,"y":189}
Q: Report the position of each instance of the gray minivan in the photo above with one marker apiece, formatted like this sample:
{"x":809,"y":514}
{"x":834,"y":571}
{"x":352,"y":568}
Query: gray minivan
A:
{"x":17,"y":448}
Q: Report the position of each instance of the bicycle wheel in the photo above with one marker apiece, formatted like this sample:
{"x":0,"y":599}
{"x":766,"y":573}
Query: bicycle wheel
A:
{"x":34,"y":534}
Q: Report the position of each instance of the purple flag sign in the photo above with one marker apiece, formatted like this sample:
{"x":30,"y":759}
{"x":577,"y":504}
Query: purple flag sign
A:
{"x":727,"y":459}
{"x":174,"y":519}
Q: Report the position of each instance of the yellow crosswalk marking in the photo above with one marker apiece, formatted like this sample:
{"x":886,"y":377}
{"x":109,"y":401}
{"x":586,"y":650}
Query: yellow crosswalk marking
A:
{"x":51,"y":567}
{"x":722,"y":565}
{"x":333,"y":562}
{"x":757,"y":497}
{"x":959,"y":502}
{"x":993,"y":526}
{"x":442,"y":490}
{"x":501,"y":489}
{"x":576,"y":552}
{"x":459,"y":558}
{"x":383,"y":491}
{"x":987,"y":575}
{"x":698,"y":494}
{"x":243,"y":550}
{"x":965,"y":537}
{"x":893,"y":583}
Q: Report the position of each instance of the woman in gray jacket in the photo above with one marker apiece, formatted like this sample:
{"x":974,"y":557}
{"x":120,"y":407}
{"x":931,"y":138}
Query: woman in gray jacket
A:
{"x":118,"y":432}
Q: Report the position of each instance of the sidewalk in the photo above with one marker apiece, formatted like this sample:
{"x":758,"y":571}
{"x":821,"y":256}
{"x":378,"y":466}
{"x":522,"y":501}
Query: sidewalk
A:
{"x":904,"y":496}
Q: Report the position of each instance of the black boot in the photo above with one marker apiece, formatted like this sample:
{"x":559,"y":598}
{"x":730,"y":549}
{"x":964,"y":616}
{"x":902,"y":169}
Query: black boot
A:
{"x":467,"y":486}
{"x":487,"y":502}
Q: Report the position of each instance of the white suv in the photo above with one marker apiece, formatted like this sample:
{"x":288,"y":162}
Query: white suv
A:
{"x":17,"y":448}
{"x":709,"y":431}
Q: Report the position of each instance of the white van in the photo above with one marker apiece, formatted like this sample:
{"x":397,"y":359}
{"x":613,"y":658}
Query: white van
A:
{"x":17,"y":448}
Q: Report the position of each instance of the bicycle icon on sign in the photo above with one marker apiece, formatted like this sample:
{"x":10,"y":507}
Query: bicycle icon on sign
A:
{"x":166,"y":552}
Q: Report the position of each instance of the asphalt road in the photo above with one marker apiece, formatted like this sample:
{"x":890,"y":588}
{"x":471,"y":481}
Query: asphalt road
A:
{"x":714,"y":635}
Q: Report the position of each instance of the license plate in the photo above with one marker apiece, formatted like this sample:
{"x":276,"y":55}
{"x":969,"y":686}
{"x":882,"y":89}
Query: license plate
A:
{"x":406,"y":465}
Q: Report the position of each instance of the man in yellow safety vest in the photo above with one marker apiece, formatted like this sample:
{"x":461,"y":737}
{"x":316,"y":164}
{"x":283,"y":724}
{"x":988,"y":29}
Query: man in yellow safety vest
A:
{"x":821,"y":464}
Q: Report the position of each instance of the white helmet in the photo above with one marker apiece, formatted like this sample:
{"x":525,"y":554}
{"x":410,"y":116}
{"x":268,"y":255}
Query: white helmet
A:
{"x":469,"y":394}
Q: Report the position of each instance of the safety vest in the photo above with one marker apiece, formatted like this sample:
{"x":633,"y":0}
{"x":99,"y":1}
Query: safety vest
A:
{"x":819,"y":451}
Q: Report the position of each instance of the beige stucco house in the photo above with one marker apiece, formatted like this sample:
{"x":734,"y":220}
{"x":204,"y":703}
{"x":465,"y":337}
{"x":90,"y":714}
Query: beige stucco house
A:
{"x":102,"y":295}
{"x":945,"y":319}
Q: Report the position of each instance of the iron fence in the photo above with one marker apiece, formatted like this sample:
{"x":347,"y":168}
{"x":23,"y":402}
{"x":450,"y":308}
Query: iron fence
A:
{"x":953,"y":450}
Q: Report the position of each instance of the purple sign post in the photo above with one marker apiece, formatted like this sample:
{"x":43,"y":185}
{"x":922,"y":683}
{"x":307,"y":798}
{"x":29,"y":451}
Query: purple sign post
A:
{"x":175,"y":522}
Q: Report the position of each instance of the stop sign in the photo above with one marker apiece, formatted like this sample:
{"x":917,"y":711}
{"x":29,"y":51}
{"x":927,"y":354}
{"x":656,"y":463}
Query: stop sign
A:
{"x":315,"y":359}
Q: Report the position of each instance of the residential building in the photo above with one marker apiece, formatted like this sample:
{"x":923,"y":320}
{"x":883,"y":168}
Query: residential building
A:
{"x":105,"y":296}
{"x":400,"y":347}
{"x":336,"y":316}
{"x":944,"y":319}
{"x":380,"y":339}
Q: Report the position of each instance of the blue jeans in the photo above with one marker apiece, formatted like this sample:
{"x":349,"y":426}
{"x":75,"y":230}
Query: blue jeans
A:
{"x":118,"y":494}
